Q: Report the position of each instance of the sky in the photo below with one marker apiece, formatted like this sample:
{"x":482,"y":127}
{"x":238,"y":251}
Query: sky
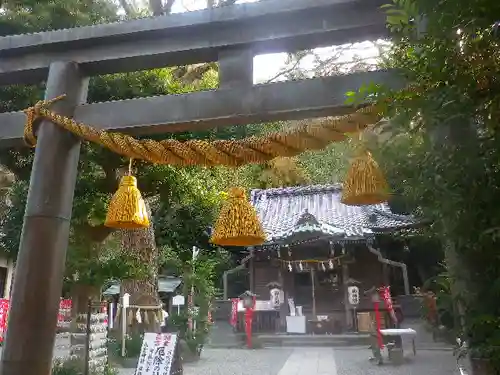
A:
{"x":268,"y":66}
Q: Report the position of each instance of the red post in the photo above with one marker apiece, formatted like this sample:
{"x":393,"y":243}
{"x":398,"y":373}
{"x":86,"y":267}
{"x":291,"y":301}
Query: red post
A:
{"x":378,"y":321}
{"x":248,"y":323}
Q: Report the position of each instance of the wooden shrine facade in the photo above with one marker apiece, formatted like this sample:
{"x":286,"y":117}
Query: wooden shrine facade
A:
{"x":65,"y":59}
{"x":316,"y":248}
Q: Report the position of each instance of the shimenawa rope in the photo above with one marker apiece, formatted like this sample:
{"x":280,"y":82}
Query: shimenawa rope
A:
{"x":310,"y":135}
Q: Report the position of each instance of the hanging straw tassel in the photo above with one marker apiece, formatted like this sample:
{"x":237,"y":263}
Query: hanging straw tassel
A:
{"x":127,"y":209}
{"x":238,"y":224}
{"x":365,"y":183}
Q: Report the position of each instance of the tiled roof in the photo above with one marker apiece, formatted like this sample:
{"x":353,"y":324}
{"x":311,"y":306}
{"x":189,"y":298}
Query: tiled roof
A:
{"x":165,"y":285}
{"x":317,"y":208}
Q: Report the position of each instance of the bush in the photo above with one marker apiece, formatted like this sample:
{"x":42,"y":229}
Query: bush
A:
{"x":73,"y":367}
{"x":440,"y":288}
{"x":133,"y":345}
{"x":194,"y":341}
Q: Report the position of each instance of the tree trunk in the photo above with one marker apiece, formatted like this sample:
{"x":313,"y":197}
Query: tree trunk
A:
{"x":140,"y":243}
{"x":80,"y":296}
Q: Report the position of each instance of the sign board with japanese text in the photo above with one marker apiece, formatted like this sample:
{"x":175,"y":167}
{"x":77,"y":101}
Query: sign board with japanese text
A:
{"x":178,"y":300}
{"x":157,"y":354}
{"x":353,"y":295}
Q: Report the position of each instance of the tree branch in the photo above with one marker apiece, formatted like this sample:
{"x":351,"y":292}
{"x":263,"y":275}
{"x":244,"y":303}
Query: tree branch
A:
{"x":227,"y":3}
{"x":192,"y":73}
{"x":286,"y":71}
{"x":156,"y":7}
{"x":128,"y":8}
{"x":95,"y":233}
{"x":167,"y":9}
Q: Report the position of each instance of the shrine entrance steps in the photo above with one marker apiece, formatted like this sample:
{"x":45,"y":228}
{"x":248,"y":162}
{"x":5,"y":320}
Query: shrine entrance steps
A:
{"x":223,"y":336}
{"x":297,"y":340}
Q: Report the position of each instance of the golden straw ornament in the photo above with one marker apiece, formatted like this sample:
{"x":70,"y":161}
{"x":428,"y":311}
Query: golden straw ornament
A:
{"x":365,"y":183}
{"x":238,"y":224}
{"x":127,"y":209}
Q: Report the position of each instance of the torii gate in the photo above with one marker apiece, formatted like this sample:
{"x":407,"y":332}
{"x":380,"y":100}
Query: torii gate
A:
{"x":232,"y":36}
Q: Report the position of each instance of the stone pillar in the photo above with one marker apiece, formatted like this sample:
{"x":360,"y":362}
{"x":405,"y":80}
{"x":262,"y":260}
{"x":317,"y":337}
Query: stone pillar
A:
{"x":42,"y":253}
{"x":8,"y":279}
{"x":235,"y":68}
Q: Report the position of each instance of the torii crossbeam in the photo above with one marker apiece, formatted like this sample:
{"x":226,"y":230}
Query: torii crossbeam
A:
{"x":232,"y":36}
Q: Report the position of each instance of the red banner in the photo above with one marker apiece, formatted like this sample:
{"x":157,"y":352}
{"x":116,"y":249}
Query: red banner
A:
{"x":385,"y":293}
{"x":64,"y":312}
{"x":233,"y":319}
{"x":63,"y":316}
{"x":378,"y":321}
{"x":431,"y":304}
{"x":4,"y":312}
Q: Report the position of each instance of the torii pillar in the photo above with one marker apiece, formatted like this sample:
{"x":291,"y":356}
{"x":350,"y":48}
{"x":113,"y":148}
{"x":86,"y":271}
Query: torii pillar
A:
{"x":38,"y":281}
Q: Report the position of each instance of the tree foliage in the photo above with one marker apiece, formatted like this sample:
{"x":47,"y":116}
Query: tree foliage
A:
{"x":201,"y":277}
{"x":443,"y":152}
{"x":99,"y":170}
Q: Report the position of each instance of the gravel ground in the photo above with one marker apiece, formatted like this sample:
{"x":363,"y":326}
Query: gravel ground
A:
{"x":352,"y":361}
{"x":341,"y":361}
{"x":235,"y":362}
{"x":427,"y":362}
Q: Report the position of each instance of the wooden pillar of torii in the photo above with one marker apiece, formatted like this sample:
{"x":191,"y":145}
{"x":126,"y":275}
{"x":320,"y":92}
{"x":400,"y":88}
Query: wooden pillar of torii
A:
{"x":232,"y":36}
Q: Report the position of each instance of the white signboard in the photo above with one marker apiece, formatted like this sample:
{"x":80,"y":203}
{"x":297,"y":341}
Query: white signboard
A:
{"x":275,"y":298}
{"x":195,"y":311}
{"x":291,"y":305}
{"x":157,"y":354}
{"x":178,"y":300}
{"x":353,"y":293}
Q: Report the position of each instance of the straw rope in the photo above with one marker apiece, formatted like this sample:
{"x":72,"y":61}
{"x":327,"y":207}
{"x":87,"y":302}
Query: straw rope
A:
{"x":307,"y":135}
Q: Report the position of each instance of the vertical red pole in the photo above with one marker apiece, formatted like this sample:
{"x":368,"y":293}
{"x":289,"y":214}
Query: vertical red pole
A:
{"x":248,"y":326}
{"x":248,"y":323}
{"x":378,"y":321}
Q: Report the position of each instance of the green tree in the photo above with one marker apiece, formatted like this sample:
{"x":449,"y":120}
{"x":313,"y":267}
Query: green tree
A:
{"x":200,"y":277}
{"x":443,"y":155}
{"x":99,"y":169}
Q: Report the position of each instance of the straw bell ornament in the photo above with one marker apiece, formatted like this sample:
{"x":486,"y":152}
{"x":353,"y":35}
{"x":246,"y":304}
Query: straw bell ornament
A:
{"x":127,"y":209}
{"x":365,"y":183}
{"x":238,"y":224}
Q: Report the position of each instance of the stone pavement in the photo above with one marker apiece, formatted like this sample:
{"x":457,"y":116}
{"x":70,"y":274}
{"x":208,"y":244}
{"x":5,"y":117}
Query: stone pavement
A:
{"x":312,"y":361}
{"x":305,"y":361}
{"x":424,"y":338}
{"x":427,"y":362}
{"x":234,"y":362}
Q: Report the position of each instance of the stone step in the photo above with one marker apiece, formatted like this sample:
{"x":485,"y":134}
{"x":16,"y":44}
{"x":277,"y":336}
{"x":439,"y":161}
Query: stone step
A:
{"x":340,"y":340}
{"x":222,"y":336}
